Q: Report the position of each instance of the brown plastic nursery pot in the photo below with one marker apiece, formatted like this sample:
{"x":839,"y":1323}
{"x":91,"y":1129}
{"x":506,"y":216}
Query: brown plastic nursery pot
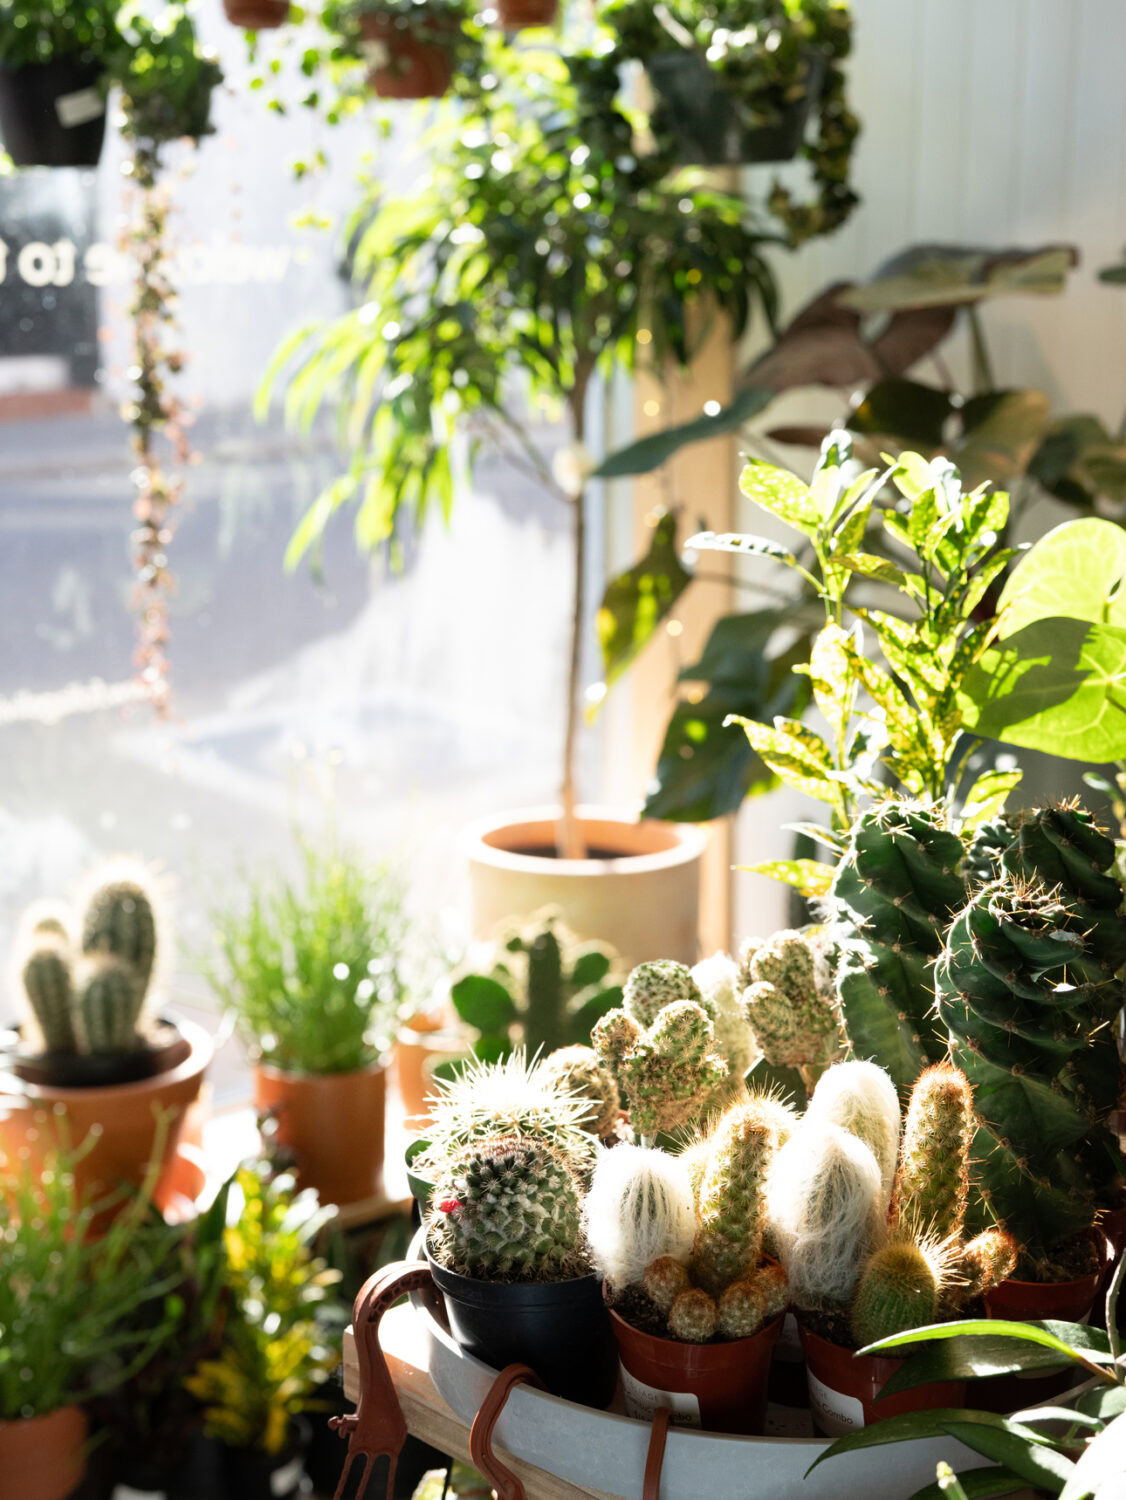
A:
{"x":257,"y":15}
{"x":333,"y":1123}
{"x":639,"y":891}
{"x":125,"y":1119}
{"x":844,"y":1388}
{"x":414,"y":65}
{"x":43,"y":1458}
{"x":717,"y":1387}
{"x":514,"y":15}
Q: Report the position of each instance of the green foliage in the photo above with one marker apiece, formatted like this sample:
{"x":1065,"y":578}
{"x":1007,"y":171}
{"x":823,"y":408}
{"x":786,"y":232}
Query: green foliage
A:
{"x":313,"y":970}
{"x":273,"y":1354}
{"x":166,"y":77}
{"x":543,"y":989}
{"x":39,"y":31}
{"x":507,"y":1209}
{"x":636,"y":602}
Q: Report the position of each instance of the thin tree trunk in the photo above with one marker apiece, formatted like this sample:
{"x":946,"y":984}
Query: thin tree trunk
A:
{"x":570,"y":843}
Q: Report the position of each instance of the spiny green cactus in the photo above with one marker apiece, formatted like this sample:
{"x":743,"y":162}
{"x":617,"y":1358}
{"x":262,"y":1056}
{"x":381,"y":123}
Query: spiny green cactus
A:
{"x":693,"y":1317}
{"x":893,"y":895}
{"x":795,"y":1022}
{"x":652,"y":986}
{"x":747,"y":1304}
{"x":899,"y":1289}
{"x":664,"y":1280}
{"x":1028,"y":998}
{"x":119,"y":921}
{"x":507,"y":1210}
{"x":932,"y":1183}
{"x":669,"y":1072}
{"x":731,"y":1204}
{"x":108,"y":1002}
{"x":541,"y":984}
{"x":580,"y":1071}
{"x":982,"y":862}
{"x":50,"y":993}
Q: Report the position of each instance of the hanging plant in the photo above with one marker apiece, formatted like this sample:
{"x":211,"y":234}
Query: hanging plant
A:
{"x":52,"y":94}
{"x":166,"y":86}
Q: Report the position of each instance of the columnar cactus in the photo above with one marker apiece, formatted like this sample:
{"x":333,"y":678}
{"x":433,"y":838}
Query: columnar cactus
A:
{"x":639,"y":1208}
{"x":1027,"y":990}
{"x":794,"y":1020}
{"x":932,"y":1183}
{"x":119,"y":921}
{"x":984,"y":851}
{"x":899,"y":1289}
{"x":49,"y":986}
{"x":731,"y":1202}
{"x":861,"y":1098}
{"x":109,"y":1001}
{"x":580,"y":1071}
{"x":668,"y":1072}
{"x":892,"y":897}
{"x":507,"y":1209}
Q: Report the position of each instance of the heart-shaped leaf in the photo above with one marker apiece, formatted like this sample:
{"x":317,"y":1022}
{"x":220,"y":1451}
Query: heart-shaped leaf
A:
{"x":1077,"y":569}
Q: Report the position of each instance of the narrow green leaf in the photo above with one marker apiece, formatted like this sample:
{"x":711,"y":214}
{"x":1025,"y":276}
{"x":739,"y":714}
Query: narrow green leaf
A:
{"x":808,"y":876}
{"x":909,"y":1426}
{"x":649,"y":453}
{"x":975,"y":1484}
{"x":733,"y":541}
{"x":1014,"y":1447}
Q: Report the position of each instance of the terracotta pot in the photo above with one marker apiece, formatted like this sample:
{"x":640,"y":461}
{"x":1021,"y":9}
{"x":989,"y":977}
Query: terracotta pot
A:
{"x":414,"y":63}
{"x":844,"y":1388}
{"x":44,"y":1458}
{"x":640,"y":892}
{"x":257,"y":15}
{"x":717,"y":1387}
{"x":125,"y":1117}
{"x":416,"y":1052}
{"x":514,"y":15}
{"x":333,"y":1123}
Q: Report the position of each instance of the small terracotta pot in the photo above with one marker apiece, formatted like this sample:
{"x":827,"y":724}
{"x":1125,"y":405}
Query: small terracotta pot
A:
{"x":417,"y":1049}
{"x":44,"y":1458}
{"x":257,"y":15}
{"x":717,"y":1387}
{"x":124,"y":1117}
{"x":844,"y":1388}
{"x":514,"y":15}
{"x":334,"y":1125}
{"x":417,"y":64}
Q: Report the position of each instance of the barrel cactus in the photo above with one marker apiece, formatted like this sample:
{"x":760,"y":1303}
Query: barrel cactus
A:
{"x":508,"y":1209}
{"x":582,"y":1073}
{"x":899,"y":1289}
{"x":668,"y":1071}
{"x":652,"y":986}
{"x":892,"y":898}
{"x":1026,"y":986}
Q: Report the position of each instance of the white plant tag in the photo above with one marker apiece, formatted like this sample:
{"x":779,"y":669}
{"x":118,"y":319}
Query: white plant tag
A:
{"x":834,"y":1413}
{"x":643,"y":1400}
{"x":127,"y":1492}
{"x":285,"y":1480}
{"x":79,"y":108}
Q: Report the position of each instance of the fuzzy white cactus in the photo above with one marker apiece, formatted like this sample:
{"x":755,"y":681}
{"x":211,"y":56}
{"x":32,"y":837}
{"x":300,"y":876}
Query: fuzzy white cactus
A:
{"x":639,"y":1207}
{"x":861,"y":1098}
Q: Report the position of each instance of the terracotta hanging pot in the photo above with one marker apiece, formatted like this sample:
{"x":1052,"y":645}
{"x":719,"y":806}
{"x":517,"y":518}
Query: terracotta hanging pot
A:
{"x":421,"y":1043}
{"x":334,"y":1125}
{"x":515,"y":15}
{"x":716,"y":1387}
{"x":43,"y":1458}
{"x":844,"y":1388}
{"x":257,"y":15}
{"x":412,"y":56}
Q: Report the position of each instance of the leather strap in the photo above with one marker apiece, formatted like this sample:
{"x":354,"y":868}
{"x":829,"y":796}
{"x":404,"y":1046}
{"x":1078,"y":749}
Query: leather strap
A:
{"x":485,"y":1461}
{"x":654,"y":1461}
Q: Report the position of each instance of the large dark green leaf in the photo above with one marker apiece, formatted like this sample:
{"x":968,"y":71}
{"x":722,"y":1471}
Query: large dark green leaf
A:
{"x":636,"y":602}
{"x":649,"y":453}
{"x":946,"y":275}
{"x":977,"y":1484}
{"x":735,"y":652}
{"x":1069,"y":1340}
{"x":1058,"y":685}
{"x":1001,"y":432}
{"x":923,"y":1424}
{"x":1009,"y":1444}
{"x":1114,"y":275}
{"x":483,"y":1003}
{"x":970,"y":1358}
{"x":906,"y":413}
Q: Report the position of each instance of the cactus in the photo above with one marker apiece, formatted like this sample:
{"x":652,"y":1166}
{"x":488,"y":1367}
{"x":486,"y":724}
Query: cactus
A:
{"x":932,"y":1183}
{"x":540,"y":982}
{"x":50,"y":993}
{"x":108,"y":1002}
{"x":752,"y":1301}
{"x":731,"y":1203}
{"x":986,"y":1261}
{"x":652,"y":986}
{"x":988,"y":842}
{"x":826,"y":1205}
{"x":793,"y":1019}
{"x":581,"y":1073}
{"x":892,"y":897}
{"x":1028,"y":997}
{"x":861,"y":1098}
{"x":663,"y":1281}
{"x":639,"y":1208}
{"x":668,"y":1072}
{"x":507,"y":1209}
{"x":119,"y":921}
{"x":693,"y":1317}
{"x":718,"y":981}
{"x":899,"y":1289}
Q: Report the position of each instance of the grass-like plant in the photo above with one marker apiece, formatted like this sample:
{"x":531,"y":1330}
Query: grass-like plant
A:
{"x":312,"y":970}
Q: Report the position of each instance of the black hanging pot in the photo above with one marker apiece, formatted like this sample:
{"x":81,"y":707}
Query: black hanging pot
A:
{"x":560,"y":1328}
{"x":53,"y":114}
{"x":250,"y":1474}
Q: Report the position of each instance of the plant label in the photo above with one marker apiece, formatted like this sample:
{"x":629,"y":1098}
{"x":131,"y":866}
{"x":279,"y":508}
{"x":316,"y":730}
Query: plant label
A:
{"x":79,"y":108}
{"x":834,"y":1413}
{"x":642,"y":1401}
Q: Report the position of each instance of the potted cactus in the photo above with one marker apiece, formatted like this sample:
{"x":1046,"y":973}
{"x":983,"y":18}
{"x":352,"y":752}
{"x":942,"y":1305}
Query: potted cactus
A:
{"x":789,"y":1003}
{"x":515,"y":15}
{"x":91,"y":1051}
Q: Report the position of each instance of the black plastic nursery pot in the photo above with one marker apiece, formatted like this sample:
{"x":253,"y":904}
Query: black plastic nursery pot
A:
{"x":250,"y":1474}
{"x":560,"y":1328}
{"x":52,"y":114}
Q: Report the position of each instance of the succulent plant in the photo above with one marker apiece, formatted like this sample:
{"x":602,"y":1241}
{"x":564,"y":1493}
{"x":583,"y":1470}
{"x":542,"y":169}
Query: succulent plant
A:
{"x":1027,"y":992}
{"x":719,"y":984}
{"x":652,"y":986}
{"x":693,"y":1317}
{"x":582,"y":1073}
{"x":986,"y":1261}
{"x":748,"y":1303}
{"x":988,"y":842}
{"x":793,"y":1017}
{"x":892,"y":898}
{"x":932,"y":1183}
{"x":663,"y":1281}
{"x":49,"y":986}
{"x":898,"y":1289}
{"x":119,"y":920}
{"x":540,"y":983}
{"x":639,"y":1209}
{"x":507,"y":1209}
{"x":670,"y":1071}
{"x":730,"y":1207}
{"x":861,"y":1098}
{"x":109,"y":1000}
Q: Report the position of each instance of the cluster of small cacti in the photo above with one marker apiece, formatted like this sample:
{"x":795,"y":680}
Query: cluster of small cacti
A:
{"x":583,"y":1074}
{"x":661,"y":1048}
{"x":86,"y":983}
{"x":788,"y":1003}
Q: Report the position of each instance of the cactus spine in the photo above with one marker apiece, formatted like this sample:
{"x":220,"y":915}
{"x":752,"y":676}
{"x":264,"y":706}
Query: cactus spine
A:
{"x":893,"y":895}
{"x":861,"y":1098}
{"x":581,"y":1073}
{"x":987,"y":1260}
{"x":652,"y":986}
{"x":898,"y":1289}
{"x":731,"y":1204}
{"x":639,"y":1208}
{"x":507,"y":1208}
{"x":932,"y":1183}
